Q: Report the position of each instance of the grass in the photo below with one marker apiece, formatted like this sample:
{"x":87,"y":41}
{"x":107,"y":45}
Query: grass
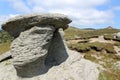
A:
{"x":97,"y":52}
{"x":109,"y":37}
{"x":4,"y":47}
{"x":97,"y":46}
{"x":113,"y":75}
{"x":80,"y":47}
{"x":108,"y":60}
{"x":91,"y":57}
{"x":100,"y":53}
{"x":73,"y":33}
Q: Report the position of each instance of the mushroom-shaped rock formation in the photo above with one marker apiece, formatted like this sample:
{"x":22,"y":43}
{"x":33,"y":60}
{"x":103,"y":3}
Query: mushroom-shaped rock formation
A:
{"x":38,"y":42}
{"x":39,"y":51}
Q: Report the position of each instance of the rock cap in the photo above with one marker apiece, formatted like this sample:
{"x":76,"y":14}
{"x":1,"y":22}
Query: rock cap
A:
{"x":23,"y":22}
{"x":56,"y":20}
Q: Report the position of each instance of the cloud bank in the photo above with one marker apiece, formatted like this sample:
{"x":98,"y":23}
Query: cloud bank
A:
{"x":82,"y":12}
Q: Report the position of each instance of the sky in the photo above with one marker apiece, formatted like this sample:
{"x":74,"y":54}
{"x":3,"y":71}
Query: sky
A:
{"x":84,"y":13}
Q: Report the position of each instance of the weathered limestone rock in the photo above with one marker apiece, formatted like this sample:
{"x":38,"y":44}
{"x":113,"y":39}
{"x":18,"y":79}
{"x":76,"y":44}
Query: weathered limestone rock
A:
{"x":30,"y":49}
{"x":37,"y":42}
{"x":21,"y":23}
{"x":74,"y":68}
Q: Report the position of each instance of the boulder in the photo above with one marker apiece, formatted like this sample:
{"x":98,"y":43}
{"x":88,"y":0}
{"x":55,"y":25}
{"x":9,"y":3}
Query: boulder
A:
{"x":21,"y":23}
{"x":117,"y":35}
{"x":30,"y":49}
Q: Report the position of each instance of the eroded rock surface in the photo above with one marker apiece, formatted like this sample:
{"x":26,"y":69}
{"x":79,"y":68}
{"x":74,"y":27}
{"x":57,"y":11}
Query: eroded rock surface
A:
{"x":30,"y":49}
{"x":74,"y":68}
{"x":57,"y":52}
{"x":39,"y":51}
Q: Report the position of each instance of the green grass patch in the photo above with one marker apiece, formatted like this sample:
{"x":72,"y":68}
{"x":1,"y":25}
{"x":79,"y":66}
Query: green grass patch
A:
{"x":110,"y":75}
{"x":91,"y":57}
{"x":81,"y":47}
{"x":74,"y":33}
{"x":97,"y":46}
{"x":109,"y":37}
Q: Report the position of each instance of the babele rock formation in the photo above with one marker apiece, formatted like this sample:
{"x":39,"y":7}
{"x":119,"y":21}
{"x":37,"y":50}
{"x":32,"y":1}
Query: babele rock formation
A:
{"x":39,"y":51}
{"x":38,"y":43}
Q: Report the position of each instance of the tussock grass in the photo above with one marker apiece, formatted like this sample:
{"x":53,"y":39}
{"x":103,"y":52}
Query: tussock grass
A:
{"x":111,"y":75}
{"x":109,"y":37}
{"x":97,"y":46}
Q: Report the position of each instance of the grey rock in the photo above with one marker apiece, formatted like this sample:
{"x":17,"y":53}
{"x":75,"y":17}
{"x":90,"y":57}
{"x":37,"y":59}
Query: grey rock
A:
{"x":21,"y":23}
{"x":74,"y":68}
{"x":117,"y":35}
{"x":57,"y":52}
{"x":30,"y":49}
{"x":5,"y":56}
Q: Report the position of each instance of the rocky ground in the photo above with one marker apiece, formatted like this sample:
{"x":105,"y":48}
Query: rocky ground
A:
{"x":74,"y":68}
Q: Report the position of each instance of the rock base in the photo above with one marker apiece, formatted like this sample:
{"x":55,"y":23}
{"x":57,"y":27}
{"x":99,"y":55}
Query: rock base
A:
{"x":74,"y":68}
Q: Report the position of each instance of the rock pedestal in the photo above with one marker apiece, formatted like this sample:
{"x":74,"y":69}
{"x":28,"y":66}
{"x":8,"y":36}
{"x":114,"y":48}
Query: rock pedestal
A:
{"x":30,"y":49}
{"x":38,"y":43}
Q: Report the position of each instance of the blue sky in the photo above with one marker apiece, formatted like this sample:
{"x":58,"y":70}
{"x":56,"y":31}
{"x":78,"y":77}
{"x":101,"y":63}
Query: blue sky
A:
{"x":84,"y":13}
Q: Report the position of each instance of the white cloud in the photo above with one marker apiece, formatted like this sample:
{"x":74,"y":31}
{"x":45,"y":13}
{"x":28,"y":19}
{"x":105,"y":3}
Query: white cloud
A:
{"x":116,"y":8}
{"x":82,"y":12}
{"x":19,"y":5}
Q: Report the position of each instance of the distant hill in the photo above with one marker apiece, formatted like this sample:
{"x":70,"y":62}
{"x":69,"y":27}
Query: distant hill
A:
{"x":89,"y":29}
{"x":73,"y":33}
{"x":109,"y":27}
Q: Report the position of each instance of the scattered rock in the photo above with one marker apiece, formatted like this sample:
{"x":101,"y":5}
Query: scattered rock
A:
{"x":117,"y":35}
